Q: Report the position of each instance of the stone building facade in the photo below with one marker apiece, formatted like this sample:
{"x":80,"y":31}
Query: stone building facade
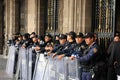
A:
{"x":41,"y":16}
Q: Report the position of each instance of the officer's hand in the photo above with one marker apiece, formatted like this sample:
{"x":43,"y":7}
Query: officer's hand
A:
{"x":47,"y":48}
{"x":37,"y":48}
{"x":72,"y":58}
{"x":54,"y":55}
{"x":51,"y":48}
{"x":17,"y":42}
{"x":60,"y":56}
{"x":23,"y":46}
{"x":49,"y":53}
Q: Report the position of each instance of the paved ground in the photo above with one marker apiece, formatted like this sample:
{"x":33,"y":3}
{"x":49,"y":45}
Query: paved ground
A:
{"x":3,"y":75}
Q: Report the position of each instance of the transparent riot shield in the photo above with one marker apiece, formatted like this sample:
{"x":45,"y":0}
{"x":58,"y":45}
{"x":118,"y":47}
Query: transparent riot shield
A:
{"x":10,"y":61}
{"x":40,"y":67}
{"x":60,"y":69}
{"x":47,"y":68}
{"x":50,"y":72}
{"x":23,"y":64}
{"x":36,"y":65}
{"x":71,"y":69}
{"x":29,"y":61}
{"x":18,"y":65}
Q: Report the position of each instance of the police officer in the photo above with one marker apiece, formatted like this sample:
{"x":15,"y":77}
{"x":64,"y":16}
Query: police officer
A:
{"x":63,"y":43}
{"x":45,"y":48}
{"x":41,"y":41}
{"x":87,"y":60}
{"x":18,"y":43}
{"x":56,"y":41}
{"x":13,"y":40}
{"x":69,"y":48}
{"x":34,"y":44}
{"x":48,"y":39}
{"x":32,"y":34}
{"x":80,"y":46}
{"x":26,"y":38}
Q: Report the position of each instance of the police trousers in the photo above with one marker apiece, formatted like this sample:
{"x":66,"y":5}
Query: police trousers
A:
{"x":86,"y":75}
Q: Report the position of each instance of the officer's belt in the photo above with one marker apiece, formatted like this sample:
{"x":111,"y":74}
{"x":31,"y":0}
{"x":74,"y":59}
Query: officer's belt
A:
{"x":86,"y":68}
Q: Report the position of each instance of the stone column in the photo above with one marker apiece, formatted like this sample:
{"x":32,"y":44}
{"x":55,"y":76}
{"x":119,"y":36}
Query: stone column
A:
{"x":60,"y":16}
{"x":38,"y":16}
{"x":31,"y":16}
{"x":1,"y":26}
{"x":12,"y":17}
{"x":75,"y":15}
{"x":11,"y":20}
{"x":40,"y":19}
{"x":87,"y":18}
{"x":7,"y":23}
{"x":67,"y":16}
{"x":17,"y":15}
{"x":82,"y":15}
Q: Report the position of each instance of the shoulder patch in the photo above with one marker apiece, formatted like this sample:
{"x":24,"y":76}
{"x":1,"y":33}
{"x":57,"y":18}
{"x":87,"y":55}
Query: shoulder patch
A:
{"x":82,"y":46}
{"x":95,"y":50}
{"x":52,"y":43}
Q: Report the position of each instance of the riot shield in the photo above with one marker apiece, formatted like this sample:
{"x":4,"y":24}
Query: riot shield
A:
{"x":60,"y":69}
{"x":71,"y":69}
{"x":40,"y":67}
{"x":29,"y":61}
{"x":18,"y":65}
{"x":50,"y":71}
{"x":10,"y":61}
{"x":23,"y":64}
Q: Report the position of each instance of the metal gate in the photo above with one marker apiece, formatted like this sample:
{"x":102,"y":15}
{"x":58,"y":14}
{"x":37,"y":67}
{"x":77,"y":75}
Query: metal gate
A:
{"x":104,"y":21}
{"x":52,"y":16}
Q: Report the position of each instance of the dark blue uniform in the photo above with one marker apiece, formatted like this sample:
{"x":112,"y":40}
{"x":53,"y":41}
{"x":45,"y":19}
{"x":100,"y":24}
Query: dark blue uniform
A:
{"x":68,"y":49}
{"x":87,"y":61}
{"x":59,"y":48}
{"x":79,"y":48}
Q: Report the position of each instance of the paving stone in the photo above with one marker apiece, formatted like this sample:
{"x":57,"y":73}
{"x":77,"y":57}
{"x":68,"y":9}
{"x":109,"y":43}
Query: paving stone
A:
{"x":3,"y":75}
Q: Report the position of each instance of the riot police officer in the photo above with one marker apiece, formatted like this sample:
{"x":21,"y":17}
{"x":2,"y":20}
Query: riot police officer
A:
{"x":69,"y":48}
{"x":80,"y":46}
{"x":88,"y":58}
{"x":63,"y":43}
{"x":34,"y":44}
